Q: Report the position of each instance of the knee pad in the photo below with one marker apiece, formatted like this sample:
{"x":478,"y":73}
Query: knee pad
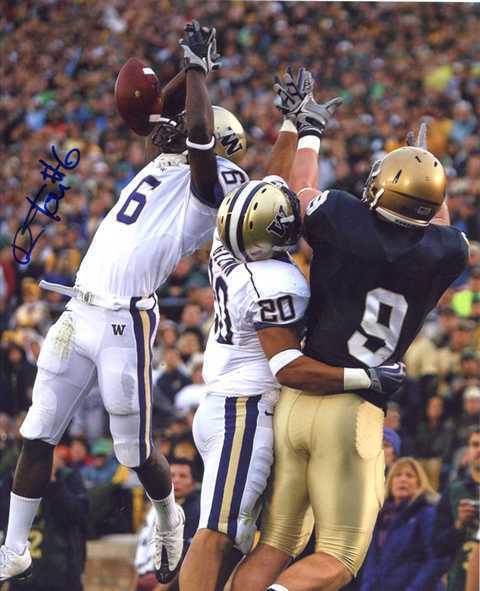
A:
{"x":132,"y":445}
{"x":42,"y":421}
{"x":127,"y":452}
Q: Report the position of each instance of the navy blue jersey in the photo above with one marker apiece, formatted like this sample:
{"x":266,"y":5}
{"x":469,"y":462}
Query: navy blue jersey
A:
{"x":372,"y":282}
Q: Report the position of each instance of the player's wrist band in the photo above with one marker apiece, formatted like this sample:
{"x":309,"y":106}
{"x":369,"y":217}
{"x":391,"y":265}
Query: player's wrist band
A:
{"x":195,"y":146}
{"x":288,"y":125}
{"x":280,"y":360}
{"x":309,"y":141}
{"x":355,"y":379}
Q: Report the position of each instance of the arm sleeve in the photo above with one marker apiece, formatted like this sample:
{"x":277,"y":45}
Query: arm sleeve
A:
{"x":229,"y":177}
{"x":457,"y":250}
{"x":317,"y":226}
{"x":270,"y":307}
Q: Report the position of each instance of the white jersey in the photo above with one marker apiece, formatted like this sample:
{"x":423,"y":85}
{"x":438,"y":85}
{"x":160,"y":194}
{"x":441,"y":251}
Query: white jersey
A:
{"x":156,"y":221}
{"x":248,"y":296}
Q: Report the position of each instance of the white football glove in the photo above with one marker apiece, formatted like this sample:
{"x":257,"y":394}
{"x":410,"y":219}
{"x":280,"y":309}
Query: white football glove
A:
{"x":313,"y":117}
{"x":200,"y":48}
{"x":291,"y":93}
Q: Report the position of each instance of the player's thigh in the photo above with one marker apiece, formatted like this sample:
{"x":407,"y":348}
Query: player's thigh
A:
{"x":125,"y":378}
{"x":234,"y":437}
{"x":286,"y":520}
{"x":64,"y":378}
{"x":346,"y":476}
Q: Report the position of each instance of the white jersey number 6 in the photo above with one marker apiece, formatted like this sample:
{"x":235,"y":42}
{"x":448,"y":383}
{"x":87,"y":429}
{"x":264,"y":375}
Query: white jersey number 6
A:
{"x":389,"y":334}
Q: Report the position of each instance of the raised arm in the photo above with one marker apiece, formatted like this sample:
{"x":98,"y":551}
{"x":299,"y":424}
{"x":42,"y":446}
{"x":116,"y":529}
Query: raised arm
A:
{"x":291,"y":94}
{"x":200,"y":56}
{"x":311,"y":120}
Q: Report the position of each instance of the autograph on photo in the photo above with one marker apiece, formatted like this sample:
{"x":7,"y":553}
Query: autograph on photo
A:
{"x":24,"y":241}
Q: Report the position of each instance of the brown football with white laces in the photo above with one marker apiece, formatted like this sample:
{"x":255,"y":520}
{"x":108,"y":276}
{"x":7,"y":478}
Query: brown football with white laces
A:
{"x":138,"y":95}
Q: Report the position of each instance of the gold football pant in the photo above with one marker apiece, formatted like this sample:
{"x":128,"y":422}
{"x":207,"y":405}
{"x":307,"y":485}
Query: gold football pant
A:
{"x":328,"y":459}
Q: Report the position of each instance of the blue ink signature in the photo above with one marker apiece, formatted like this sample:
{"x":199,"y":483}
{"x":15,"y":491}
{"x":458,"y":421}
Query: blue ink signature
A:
{"x":50,"y":205}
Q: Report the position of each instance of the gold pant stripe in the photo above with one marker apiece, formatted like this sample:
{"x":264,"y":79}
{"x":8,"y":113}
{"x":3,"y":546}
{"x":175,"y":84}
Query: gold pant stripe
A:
{"x":240,"y":408}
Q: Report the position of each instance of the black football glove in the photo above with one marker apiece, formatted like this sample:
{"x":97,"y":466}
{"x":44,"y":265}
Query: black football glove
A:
{"x":292,"y":94}
{"x":386,"y":379}
{"x":421,"y":138}
{"x":200,"y":48}
{"x":313,"y":117}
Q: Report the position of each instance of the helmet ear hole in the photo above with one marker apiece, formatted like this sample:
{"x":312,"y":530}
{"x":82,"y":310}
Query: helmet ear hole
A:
{"x":250,"y":225}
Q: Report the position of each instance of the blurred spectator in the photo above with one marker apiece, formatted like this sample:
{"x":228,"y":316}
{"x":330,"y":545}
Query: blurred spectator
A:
{"x":470,"y":415}
{"x":79,"y":456}
{"x":104,"y":465}
{"x":190,"y":396}
{"x":400,"y":557}
{"x":456,"y":529}
{"x":188,"y":496}
{"x":462,"y":301}
{"x":435,"y":434}
{"x":33,"y":313}
{"x":58,"y":536}
{"x":16,"y":378}
{"x":11,"y":445}
{"x":393,"y":421}
{"x":391,"y":447}
{"x":173,"y":376}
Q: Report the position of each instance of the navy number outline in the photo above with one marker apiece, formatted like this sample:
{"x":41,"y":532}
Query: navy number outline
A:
{"x":139,"y":197}
{"x":272,"y":309}
{"x":223,"y":323}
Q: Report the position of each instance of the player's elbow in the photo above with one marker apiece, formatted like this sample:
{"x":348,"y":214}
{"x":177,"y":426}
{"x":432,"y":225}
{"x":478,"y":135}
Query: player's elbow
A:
{"x":290,"y":376}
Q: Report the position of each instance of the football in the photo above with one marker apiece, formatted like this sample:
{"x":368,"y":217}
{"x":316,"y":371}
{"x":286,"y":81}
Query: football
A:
{"x":138,"y":95}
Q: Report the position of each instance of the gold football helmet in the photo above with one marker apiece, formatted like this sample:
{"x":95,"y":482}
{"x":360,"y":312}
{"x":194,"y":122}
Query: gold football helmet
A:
{"x":170,"y":134}
{"x":407,"y":187}
{"x":259,"y":219}
{"x":229,"y":134}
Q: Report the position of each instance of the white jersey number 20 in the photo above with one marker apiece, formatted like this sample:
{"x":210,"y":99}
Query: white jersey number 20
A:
{"x":372,"y":326}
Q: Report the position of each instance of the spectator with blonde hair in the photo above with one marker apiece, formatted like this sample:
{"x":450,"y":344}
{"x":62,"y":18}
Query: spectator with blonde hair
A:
{"x":400,"y":557}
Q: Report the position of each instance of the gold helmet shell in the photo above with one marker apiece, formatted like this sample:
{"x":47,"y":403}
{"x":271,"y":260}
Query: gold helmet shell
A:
{"x":229,"y":134}
{"x":259,"y":219}
{"x":407,"y":187}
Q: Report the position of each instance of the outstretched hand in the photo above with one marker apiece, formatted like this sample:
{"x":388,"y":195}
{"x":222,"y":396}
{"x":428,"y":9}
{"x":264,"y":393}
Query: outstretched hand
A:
{"x":293,"y":93}
{"x":200,"y":48}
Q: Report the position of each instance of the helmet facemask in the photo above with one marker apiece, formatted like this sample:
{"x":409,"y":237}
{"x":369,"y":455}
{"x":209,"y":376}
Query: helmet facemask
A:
{"x":291,"y":224}
{"x":170,"y":134}
{"x":371,"y":195}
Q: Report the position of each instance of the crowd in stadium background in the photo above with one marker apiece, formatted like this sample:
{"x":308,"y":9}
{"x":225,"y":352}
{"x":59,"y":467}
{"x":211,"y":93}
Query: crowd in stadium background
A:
{"x":394,"y":65}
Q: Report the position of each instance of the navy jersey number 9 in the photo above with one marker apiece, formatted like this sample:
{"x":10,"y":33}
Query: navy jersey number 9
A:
{"x":136,"y":201}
